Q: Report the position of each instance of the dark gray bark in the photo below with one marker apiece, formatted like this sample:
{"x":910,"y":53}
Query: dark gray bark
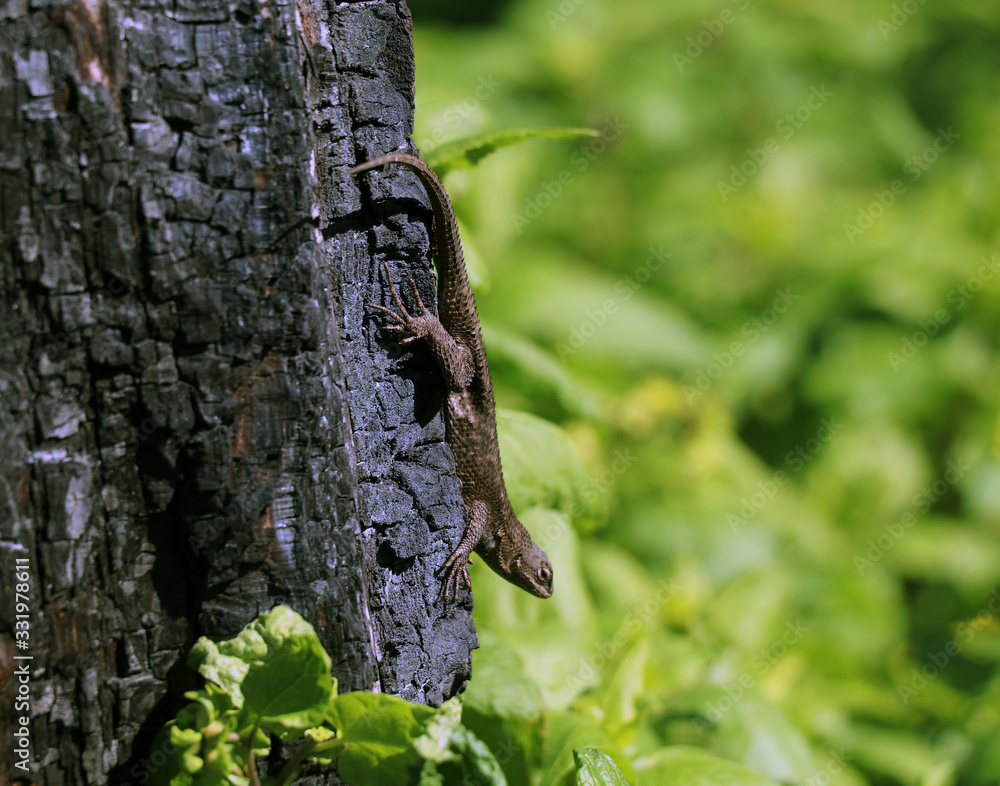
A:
{"x":198,"y":419}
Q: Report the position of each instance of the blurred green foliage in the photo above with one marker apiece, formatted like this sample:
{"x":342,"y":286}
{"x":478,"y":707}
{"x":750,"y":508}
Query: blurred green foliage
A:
{"x":764,"y":309}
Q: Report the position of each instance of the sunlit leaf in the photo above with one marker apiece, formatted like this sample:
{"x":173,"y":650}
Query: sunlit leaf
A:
{"x":595,"y":768}
{"x":683,"y":766}
{"x":468,"y":152}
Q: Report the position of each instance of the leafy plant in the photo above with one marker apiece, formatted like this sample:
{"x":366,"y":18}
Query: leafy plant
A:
{"x":274,"y":678}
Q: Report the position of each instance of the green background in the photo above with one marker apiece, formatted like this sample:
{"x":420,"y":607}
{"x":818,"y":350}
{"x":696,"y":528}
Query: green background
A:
{"x":763,"y":312}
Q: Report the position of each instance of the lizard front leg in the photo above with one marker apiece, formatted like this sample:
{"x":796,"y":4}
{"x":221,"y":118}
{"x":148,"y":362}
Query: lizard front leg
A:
{"x":456,"y":567}
{"x":454,"y":358}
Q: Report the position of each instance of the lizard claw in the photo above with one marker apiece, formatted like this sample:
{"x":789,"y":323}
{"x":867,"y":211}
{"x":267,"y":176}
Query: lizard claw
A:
{"x":390,"y":312}
{"x":456,"y":575}
{"x":416,"y":295}
{"x":456,"y":578}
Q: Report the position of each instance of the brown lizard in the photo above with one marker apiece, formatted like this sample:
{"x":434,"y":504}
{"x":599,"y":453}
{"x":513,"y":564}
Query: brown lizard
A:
{"x":455,"y":340}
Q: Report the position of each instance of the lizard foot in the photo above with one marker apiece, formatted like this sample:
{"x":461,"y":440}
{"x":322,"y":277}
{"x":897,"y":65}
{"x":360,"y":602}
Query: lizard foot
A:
{"x":412,"y":326}
{"x":456,"y":574}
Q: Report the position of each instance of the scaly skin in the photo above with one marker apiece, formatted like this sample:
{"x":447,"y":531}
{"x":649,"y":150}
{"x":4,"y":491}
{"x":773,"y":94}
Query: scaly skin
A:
{"x":456,"y":342}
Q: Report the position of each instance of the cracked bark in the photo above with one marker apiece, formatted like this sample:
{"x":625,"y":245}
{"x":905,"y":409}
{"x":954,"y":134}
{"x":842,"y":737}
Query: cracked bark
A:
{"x":198,"y":419}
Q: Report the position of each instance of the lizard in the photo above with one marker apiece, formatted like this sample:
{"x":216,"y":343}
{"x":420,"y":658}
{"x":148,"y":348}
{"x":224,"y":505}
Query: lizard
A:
{"x":454,"y":338}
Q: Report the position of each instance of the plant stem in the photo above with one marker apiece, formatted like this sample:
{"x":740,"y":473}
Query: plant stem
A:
{"x":311,"y":748}
{"x":251,"y":764}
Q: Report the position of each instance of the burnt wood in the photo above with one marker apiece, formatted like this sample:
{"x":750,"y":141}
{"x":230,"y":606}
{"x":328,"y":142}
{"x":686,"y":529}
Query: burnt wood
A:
{"x":198,"y":418}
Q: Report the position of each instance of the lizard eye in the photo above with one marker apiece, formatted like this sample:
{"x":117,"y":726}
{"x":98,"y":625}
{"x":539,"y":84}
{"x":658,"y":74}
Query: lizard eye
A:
{"x":544,"y":575}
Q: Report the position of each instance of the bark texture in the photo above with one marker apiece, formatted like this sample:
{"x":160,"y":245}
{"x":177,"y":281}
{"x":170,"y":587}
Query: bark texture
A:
{"x":198,"y":418}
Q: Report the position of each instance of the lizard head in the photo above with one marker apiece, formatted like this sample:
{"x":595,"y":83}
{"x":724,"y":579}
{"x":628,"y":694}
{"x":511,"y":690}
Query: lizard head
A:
{"x":532,"y":571}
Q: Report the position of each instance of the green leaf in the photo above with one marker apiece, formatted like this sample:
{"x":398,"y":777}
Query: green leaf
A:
{"x":467,"y":152}
{"x":536,"y":372}
{"x":502,"y":705}
{"x":377,"y":734}
{"x":683,"y":766}
{"x":901,"y":756}
{"x":429,"y":775}
{"x":980,"y":641}
{"x":514,"y":743}
{"x":983,"y":768}
{"x":275,"y":668}
{"x":471,"y":762}
{"x":290,"y":688}
{"x":475,"y":267}
{"x":479,"y":764}
{"x":621,"y":693}
{"x":542,"y":468}
{"x":501,"y":686}
{"x":581,"y":327}
{"x":943,"y":550}
{"x":882,"y":334}
{"x":224,"y":670}
{"x":453,"y":753}
{"x":274,"y":675}
{"x":596,"y":768}
{"x":745,"y":729}
{"x":565,"y":732}
{"x":434,"y":744}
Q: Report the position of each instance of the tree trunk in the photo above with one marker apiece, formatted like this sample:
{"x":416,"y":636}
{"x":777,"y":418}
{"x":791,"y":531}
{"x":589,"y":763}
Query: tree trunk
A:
{"x":198,"y":418}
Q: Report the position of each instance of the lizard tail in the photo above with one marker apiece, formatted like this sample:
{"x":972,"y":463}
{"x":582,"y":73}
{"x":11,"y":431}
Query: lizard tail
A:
{"x":389,"y":158}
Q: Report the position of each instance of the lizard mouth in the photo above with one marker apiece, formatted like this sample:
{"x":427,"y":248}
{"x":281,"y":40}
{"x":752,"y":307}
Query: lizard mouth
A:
{"x":537,"y":582}
{"x":538,"y":589}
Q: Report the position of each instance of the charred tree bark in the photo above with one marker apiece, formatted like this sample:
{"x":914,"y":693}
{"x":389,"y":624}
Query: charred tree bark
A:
{"x":198,"y":419}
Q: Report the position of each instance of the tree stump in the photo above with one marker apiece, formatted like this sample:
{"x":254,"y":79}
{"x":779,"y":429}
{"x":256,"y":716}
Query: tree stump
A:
{"x":198,"y":416}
